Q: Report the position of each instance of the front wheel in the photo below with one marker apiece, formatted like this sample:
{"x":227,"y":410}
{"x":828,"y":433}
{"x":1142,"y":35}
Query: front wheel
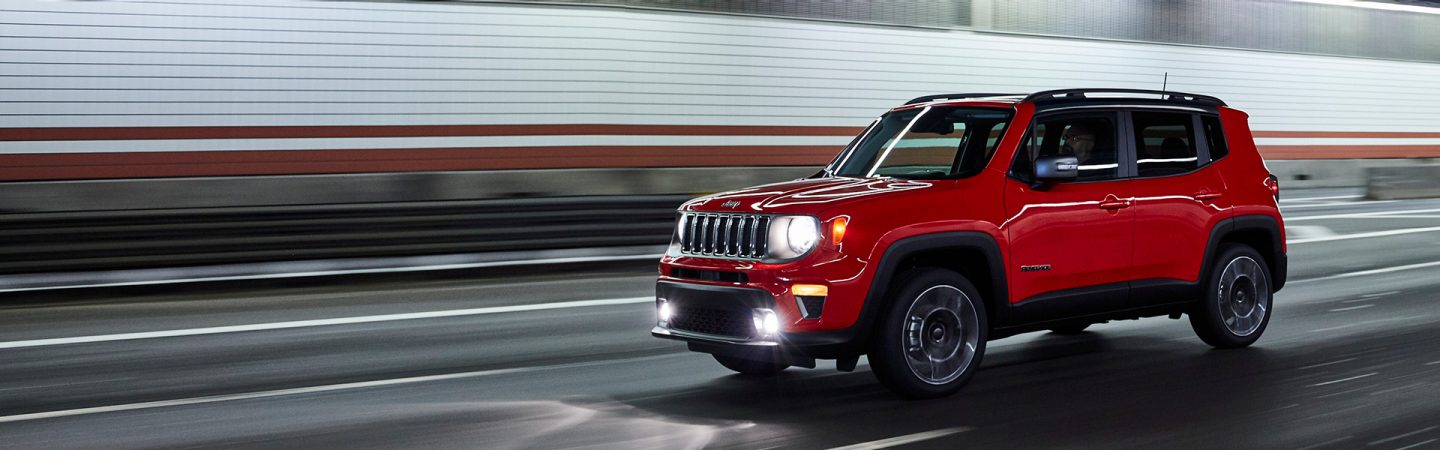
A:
{"x":1237,"y":303}
{"x":932,"y":337}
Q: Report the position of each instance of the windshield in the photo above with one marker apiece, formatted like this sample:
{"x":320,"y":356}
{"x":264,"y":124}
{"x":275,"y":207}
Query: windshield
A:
{"x":930,"y":142}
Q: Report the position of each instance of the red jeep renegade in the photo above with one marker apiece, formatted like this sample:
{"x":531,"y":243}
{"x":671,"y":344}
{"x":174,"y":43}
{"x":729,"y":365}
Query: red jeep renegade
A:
{"x":957,"y":219}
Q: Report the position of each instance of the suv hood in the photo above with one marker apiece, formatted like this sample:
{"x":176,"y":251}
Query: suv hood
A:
{"x":802,"y":196}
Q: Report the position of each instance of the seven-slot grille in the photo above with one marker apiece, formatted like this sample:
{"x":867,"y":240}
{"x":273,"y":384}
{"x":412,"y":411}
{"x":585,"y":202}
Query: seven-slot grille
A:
{"x":726,"y":235}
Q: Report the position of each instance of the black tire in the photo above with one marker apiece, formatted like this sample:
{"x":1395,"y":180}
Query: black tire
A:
{"x":943,"y":326}
{"x":1237,"y":290}
{"x":751,"y":367}
{"x":1073,"y":328}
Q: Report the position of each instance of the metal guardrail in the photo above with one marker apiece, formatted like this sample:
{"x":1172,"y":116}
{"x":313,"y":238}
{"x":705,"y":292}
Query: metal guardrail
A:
{"x":85,"y":241}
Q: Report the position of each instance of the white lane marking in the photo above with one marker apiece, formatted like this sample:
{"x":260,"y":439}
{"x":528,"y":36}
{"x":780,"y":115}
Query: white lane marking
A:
{"x":1334,"y":204}
{"x":1342,"y":380}
{"x":1343,"y":237}
{"x":1311,"y":199}
{"x":1331,"y":363}
{"x":906,"y":439}
{"x":325,"y":273}
{"x":1295,"y":232}
{"x":1380,"y":294}
{"x":1402,"y":436}
{"x":1352,"y":308}
{"x":1370,"y":272}
{"x":321,"y":322}
{"x":1432,"y":363}
{"x":309,"y":390}
{"x":1417,"y":444}
{"x":1361,"y":215}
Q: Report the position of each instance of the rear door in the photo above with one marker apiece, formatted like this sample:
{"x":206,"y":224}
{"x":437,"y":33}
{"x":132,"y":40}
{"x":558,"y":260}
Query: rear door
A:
{"x":1178,"y":200}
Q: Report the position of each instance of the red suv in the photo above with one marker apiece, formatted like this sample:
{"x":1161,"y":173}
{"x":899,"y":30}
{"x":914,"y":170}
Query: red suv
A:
{"x":957,"y":219}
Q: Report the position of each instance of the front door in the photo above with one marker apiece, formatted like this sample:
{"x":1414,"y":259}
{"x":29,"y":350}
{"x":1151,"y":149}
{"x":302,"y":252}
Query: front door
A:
{"x":1071,"y":243}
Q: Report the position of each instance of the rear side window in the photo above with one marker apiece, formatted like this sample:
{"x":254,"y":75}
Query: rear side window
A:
{"x":1214,"y":137}
{"x":1165,"y":143}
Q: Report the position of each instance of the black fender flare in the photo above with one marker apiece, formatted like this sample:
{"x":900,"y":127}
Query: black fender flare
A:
{"x":904,"y":248}
{"x":1275,"y":255}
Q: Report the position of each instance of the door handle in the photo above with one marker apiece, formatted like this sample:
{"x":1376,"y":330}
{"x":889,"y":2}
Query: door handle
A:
{"x":1207,"y":196}
{"x":1114,"y":204}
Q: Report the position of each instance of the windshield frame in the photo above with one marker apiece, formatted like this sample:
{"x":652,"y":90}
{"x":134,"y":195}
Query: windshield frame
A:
{"x":838,"y":163}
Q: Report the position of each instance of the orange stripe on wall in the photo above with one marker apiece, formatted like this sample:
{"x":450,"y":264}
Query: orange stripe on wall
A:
{"x":72,"y":166}
{"x":1348,"y":151}
{"x":1346,"y":134}
{"x":128,"y":133}
{"x":265,"y":132}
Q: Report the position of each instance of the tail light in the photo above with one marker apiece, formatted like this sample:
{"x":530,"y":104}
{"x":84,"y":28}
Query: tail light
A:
{"x":1273,"y":183}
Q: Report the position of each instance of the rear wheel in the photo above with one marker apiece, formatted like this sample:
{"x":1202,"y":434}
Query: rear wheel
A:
{"x":1237,"y":303}
{"x":933,"y":336}
{"x":750,"y":366}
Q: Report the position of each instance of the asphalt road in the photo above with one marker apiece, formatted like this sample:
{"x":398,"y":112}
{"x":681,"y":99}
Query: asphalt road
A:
{"x":1351,"y":360}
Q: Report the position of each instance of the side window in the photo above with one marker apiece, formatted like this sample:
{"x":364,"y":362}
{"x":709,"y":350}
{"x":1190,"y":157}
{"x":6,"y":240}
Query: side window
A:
{"x":1165,"y":143}
{"x":1214,"y":137}
{"x":1091,"y":140}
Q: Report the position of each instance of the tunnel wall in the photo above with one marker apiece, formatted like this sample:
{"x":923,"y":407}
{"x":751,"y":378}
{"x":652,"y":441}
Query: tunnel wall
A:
{"x":107,"y":90}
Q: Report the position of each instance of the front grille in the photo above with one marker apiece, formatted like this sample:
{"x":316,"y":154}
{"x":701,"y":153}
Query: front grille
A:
{"x":742,"y":236}
{"x":731,"y":323}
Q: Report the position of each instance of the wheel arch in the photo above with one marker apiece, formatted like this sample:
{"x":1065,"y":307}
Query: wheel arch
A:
{"x":973,"y":254}
{"x":1260,"y":232}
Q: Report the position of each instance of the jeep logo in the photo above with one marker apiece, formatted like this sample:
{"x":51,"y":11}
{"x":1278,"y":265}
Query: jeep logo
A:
{"x":731,"y":204}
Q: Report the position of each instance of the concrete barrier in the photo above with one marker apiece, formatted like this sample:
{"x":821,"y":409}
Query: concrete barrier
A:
{"x":1327,"y":173}
{"x":1388,"y":183}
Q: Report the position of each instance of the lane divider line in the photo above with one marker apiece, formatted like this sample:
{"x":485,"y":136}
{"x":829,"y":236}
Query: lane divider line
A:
{"x":1362,"y":273}
{"x":308,"y":390}
{"x":1342,"y":380}
{"x":1311,"y":199}
{"x":1333,"y":204}
{"x":320,"y":322}
{"x":1361,"y":215}
{"x":325,"y":273}
{"x":1343,"y":237}
{"x":906,"y":439}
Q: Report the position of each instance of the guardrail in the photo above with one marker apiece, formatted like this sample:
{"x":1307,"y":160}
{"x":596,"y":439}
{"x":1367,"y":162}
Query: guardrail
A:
{"x":135,"y":239}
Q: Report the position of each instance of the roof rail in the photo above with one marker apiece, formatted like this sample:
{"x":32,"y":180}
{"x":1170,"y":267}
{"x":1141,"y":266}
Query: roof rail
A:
{"x":1075,"y":94}
{"x":931,"y":98}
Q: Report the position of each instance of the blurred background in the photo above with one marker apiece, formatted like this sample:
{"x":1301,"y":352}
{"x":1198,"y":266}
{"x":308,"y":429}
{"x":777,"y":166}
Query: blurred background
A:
{"x":175,"y":134}
{"x":157,"y":142}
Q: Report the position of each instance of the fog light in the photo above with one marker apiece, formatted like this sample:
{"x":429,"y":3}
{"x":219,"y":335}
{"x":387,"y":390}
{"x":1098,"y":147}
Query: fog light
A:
{"x":767,"y":324}
{"x":664,"y":312}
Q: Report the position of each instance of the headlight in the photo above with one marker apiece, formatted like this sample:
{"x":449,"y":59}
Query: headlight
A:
{"x":792,"y":237}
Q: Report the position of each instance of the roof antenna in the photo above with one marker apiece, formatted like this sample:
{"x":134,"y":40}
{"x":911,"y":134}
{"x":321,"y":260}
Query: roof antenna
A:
{"x":1164,"y":84}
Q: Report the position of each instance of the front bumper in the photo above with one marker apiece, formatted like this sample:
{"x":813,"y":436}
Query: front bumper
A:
{"x":726,"y":327}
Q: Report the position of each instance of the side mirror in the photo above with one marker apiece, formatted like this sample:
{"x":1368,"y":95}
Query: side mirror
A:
{"x":1056,"y":168}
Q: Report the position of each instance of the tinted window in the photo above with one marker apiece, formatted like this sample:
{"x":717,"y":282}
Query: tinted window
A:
{"x":1214,"y":137}
{"x":1091,"y":140}
{"x":1165,"y":143}
{"x":931,"y":142}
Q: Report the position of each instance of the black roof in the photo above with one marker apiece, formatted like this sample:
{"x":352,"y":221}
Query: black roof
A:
{"x":1082,"y":95}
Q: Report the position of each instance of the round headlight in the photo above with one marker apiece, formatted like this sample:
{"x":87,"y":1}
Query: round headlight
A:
{"x":802,"y":234}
